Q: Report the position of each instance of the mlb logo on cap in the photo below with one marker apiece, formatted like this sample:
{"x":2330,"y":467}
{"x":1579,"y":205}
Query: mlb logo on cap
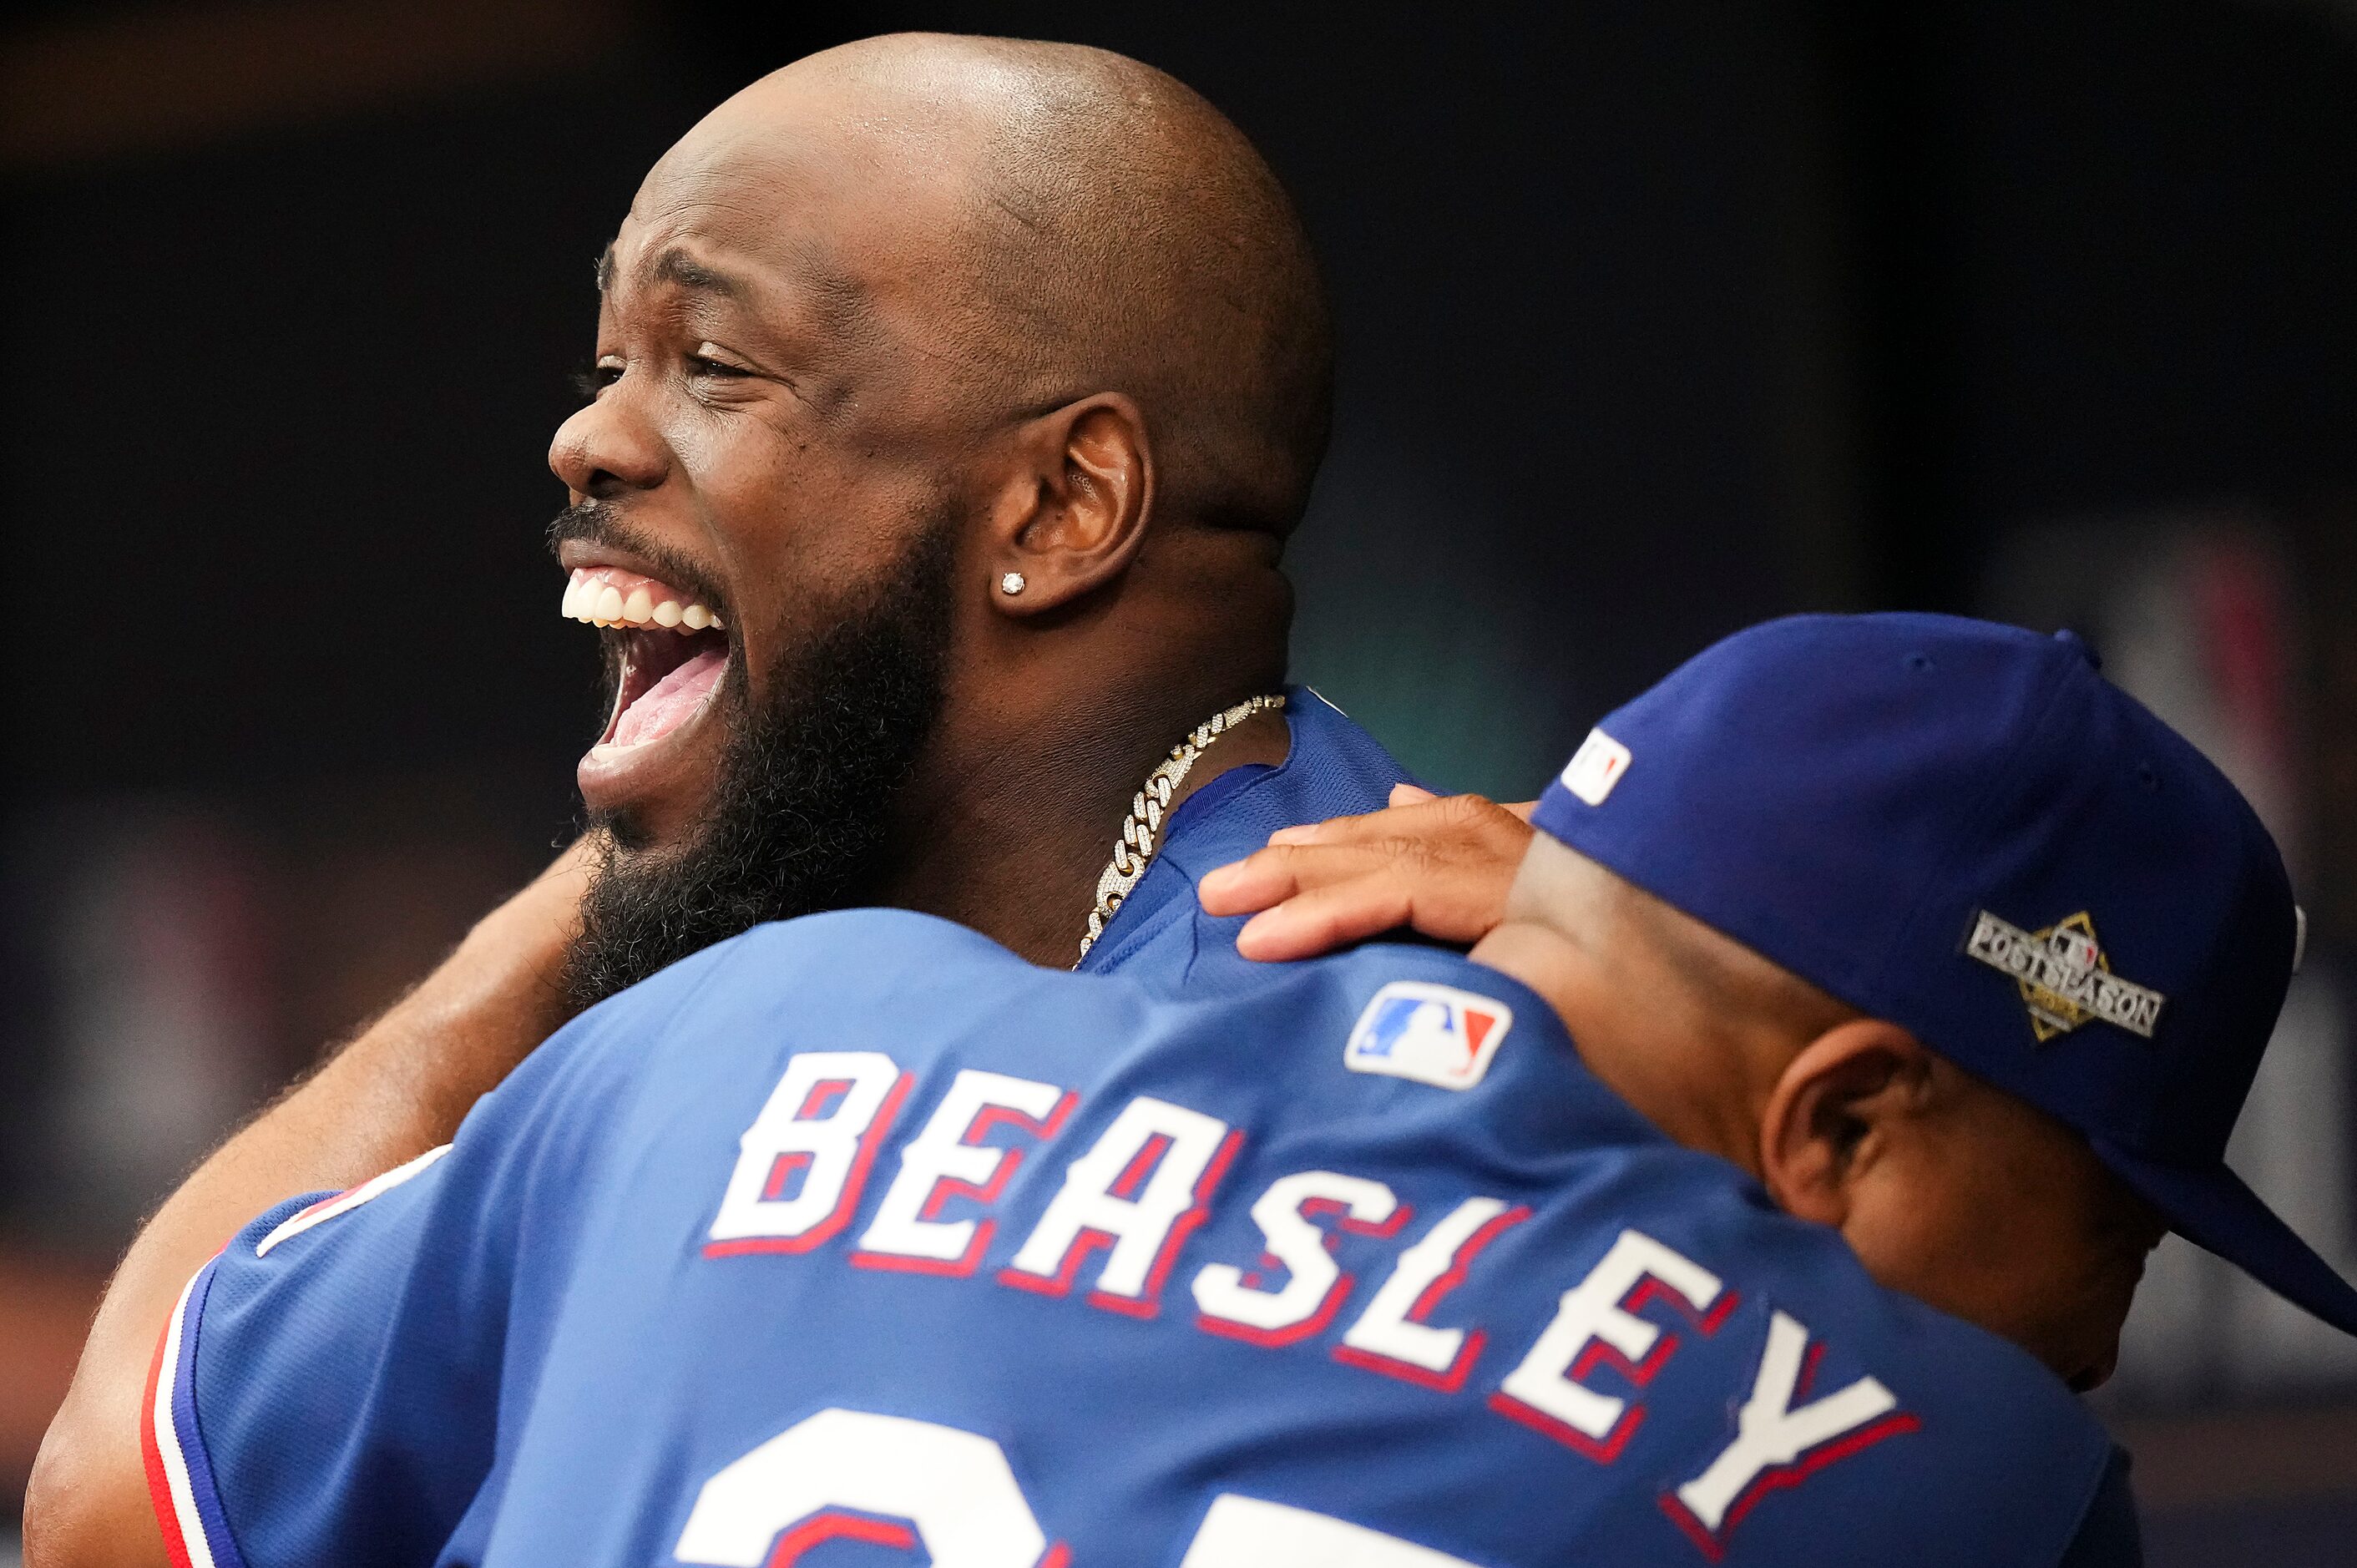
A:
{"x":1595,"y":767}
{"x":1432,"y":1034}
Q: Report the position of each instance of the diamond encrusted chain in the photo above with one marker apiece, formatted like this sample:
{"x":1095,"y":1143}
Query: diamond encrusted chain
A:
{"x":1133,"y":851}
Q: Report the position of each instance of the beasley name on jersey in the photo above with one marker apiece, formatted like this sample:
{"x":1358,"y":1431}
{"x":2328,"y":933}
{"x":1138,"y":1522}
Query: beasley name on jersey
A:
{"x":856,"y":1239}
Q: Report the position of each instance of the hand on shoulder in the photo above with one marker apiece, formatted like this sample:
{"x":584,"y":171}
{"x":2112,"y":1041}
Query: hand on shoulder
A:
{"x":1439,"y":866}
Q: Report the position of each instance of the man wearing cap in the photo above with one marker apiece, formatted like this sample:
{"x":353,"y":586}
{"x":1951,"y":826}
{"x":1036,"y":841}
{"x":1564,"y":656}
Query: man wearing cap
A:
{"x":2003,"y":780}
{"x":1754,"y":1192}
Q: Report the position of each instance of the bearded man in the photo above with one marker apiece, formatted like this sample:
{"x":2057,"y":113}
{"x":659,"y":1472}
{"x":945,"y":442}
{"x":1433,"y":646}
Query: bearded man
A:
{"x":1758,"y":1191}
{"x":953,"y":400}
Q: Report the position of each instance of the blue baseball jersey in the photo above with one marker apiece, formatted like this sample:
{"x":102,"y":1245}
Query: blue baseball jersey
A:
{"x":858,"y":1240}
{"x":1160,"y":934}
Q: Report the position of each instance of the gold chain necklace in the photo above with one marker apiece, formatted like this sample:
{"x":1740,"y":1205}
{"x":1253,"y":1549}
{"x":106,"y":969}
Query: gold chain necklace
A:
{"x":1133,"y":850}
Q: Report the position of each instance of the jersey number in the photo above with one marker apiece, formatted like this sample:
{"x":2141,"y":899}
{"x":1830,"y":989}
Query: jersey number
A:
{"x":852,"y":1475}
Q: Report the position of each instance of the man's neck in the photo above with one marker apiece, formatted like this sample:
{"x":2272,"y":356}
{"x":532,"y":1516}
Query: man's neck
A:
{"x":1011,"y":838}
{"x":1638,"y":1033}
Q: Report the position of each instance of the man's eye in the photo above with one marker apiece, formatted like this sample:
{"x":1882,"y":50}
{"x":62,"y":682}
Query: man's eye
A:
{"x":594,"y":379}
{"x":703,"y":363}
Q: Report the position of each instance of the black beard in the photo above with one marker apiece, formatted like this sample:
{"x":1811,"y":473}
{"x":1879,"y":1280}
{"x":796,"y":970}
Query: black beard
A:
{"x":801,"y":809}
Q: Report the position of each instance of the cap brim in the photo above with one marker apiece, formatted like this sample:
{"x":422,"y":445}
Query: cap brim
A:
{"x":2211,"y":1206}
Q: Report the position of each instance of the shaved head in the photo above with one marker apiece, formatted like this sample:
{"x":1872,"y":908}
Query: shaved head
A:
{"x":1088,"y":223}
{"x":965,"y":389}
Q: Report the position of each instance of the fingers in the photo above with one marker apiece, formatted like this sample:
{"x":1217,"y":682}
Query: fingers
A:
{"x":1346,"y":830}
{"x":1460,"y":902}
{"x":1440,"y":866}
{"x":1521,"y":808}
{"x":1414,"y":813}
{"x":1267,"y":878}
{"x":1284,"y":871}
{"x":1324,"y":919}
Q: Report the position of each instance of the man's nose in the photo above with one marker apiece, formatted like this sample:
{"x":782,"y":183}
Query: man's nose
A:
{"x":604,"y":450}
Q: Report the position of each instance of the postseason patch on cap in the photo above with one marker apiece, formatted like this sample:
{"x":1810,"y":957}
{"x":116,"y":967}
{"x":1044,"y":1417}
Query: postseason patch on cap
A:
{"x":1595,"y":767}
{"x":2064,"y":976}
{"x":1432,"y":1034}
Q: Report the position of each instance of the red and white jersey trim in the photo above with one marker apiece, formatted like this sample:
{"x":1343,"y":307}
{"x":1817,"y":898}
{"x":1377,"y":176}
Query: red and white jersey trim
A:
{"x":181,"y":1482}
{"x":344,"y":1202}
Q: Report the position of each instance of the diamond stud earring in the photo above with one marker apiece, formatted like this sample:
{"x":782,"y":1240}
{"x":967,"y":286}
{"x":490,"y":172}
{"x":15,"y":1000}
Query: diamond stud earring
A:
{"x":1011,"y":584}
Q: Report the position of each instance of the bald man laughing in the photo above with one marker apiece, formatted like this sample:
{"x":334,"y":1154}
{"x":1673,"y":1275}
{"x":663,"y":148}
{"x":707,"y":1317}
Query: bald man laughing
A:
{"x":953,"y":400}
{"x":978,"y":384}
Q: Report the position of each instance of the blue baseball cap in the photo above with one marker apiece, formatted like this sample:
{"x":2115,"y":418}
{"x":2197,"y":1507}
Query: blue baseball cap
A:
{"x":1965,"y":829}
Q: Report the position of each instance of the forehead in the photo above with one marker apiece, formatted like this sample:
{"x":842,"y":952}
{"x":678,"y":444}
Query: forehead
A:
{"x":789,"y":218}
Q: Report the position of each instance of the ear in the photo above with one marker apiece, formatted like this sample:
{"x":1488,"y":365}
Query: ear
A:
{"x":1071,"y":518}
{"x":1835,"y":1111}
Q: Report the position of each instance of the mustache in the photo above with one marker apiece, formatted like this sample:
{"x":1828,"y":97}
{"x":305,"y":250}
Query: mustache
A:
{"x":595,"y":522}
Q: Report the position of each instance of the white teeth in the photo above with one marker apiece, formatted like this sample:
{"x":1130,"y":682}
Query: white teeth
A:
{"x":590,"y":598}
{"x":717,"y":625}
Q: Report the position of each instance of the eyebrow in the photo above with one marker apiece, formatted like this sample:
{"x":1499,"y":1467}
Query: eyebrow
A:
{"x":677,"y":267}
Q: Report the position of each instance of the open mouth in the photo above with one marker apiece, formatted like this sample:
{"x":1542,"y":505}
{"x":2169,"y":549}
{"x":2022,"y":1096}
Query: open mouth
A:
{"x":673,"y":651}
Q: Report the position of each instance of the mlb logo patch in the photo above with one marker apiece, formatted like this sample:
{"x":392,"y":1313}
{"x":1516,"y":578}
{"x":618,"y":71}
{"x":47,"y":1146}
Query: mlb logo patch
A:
{"x":1595,"y":767}
{"x":1432,"y":1034}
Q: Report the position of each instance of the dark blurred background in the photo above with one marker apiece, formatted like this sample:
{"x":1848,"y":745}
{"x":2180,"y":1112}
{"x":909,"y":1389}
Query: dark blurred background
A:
{"x":1657,"y":319}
